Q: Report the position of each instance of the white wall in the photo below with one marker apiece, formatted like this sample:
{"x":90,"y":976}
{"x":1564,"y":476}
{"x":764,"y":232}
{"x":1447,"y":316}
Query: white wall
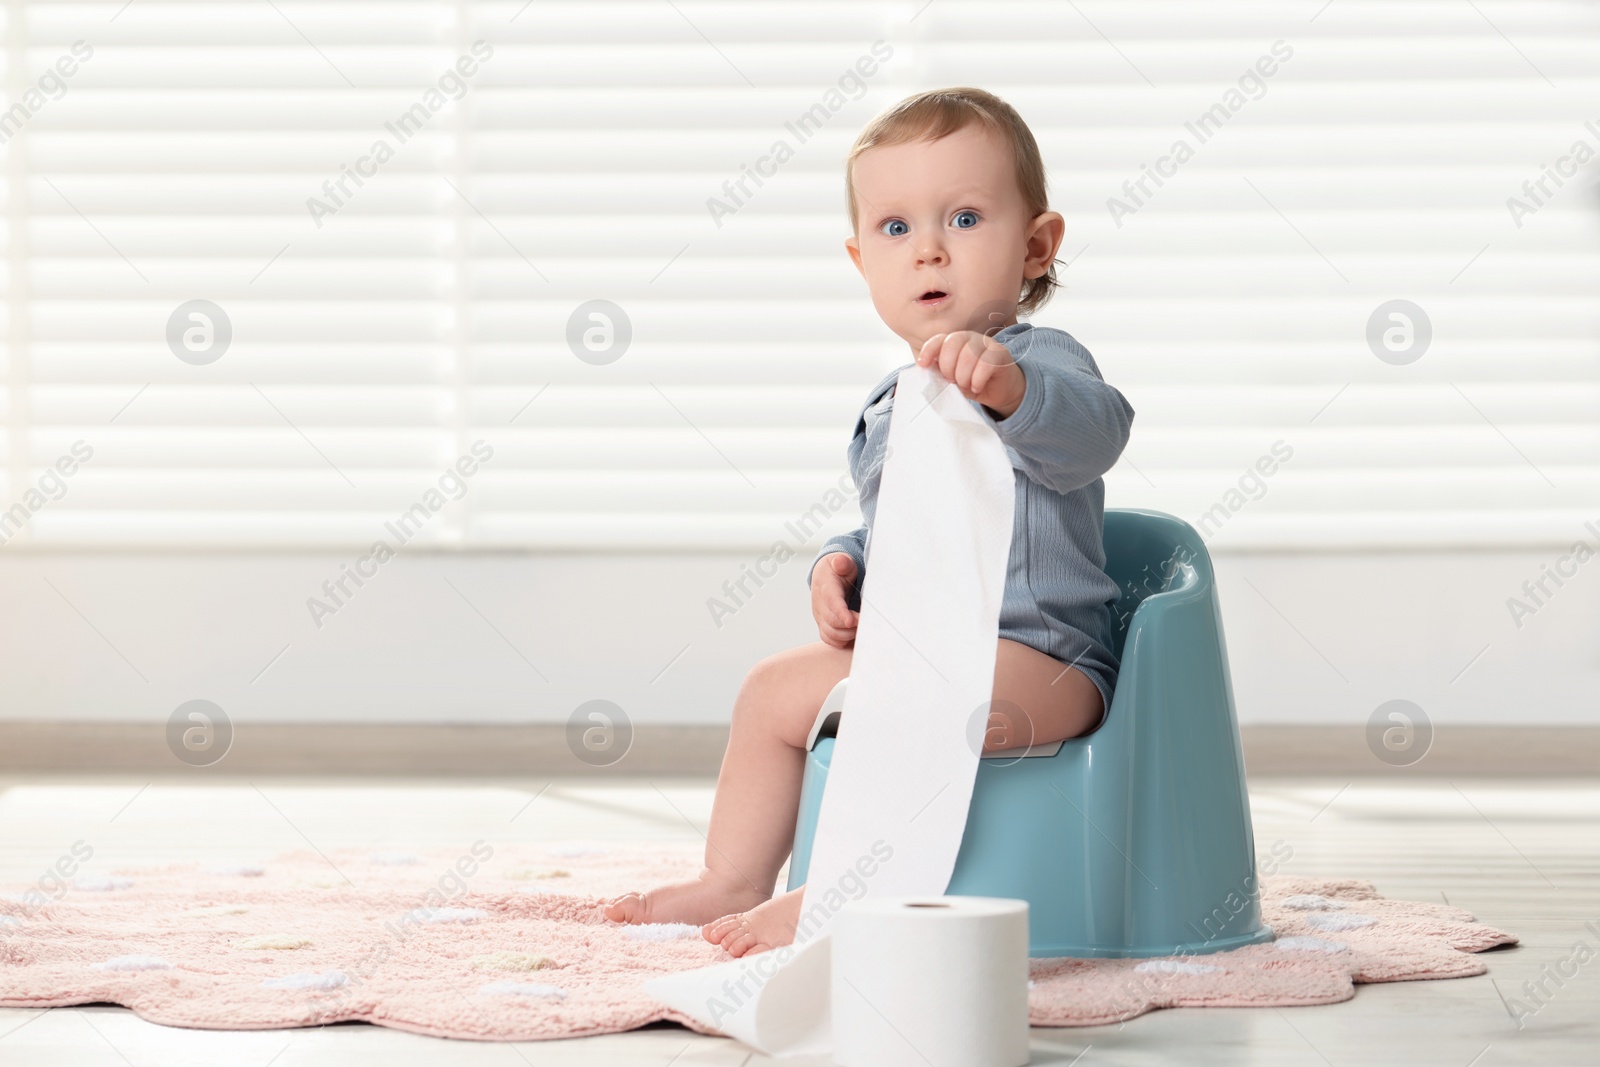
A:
{"x":409,"y":648}
{"x":370,"y":349}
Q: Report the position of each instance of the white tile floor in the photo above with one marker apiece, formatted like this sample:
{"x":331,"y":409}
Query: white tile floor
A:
{"x":1521,"y":854}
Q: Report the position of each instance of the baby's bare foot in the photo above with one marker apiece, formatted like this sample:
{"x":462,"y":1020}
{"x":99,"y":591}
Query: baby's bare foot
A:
{"x":766,"y":926}
{"x":697,"y":900}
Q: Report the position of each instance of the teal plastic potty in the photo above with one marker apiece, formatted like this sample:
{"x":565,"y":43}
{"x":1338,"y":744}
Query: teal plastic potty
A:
{"x":1134,"y":840}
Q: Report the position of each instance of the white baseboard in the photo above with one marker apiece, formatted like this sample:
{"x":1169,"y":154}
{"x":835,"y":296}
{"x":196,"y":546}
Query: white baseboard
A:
{"x":28,"y":748}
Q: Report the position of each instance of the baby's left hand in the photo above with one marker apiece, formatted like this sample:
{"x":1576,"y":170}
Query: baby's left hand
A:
{"x":981,"y":367}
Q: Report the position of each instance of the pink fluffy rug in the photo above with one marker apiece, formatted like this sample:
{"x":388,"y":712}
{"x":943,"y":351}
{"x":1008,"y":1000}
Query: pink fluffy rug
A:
{"x":507,"y":944}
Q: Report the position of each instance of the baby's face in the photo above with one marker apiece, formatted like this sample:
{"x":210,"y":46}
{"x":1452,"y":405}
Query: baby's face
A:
{"x":944,"y":237}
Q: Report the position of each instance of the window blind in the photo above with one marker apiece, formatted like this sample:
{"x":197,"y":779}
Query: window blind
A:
{"x":565,"y":235}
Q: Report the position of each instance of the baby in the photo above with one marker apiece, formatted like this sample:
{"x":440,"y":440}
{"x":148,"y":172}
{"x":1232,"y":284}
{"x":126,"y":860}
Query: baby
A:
{"x":954,"y":236}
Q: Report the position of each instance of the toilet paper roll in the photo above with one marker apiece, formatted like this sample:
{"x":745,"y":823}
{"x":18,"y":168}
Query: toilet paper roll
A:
{"x":931,"y":982}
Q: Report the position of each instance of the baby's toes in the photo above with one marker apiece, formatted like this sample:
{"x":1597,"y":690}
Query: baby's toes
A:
{"x":718,"y":929}
{"x":725,"y":931}
{"x":744,"y":944}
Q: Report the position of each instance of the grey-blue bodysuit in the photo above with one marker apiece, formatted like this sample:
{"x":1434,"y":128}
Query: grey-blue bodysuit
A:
{"x":1068,"y":431}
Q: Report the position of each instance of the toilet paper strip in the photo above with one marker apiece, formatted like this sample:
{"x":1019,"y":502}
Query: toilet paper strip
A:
{"x":915,"y":713}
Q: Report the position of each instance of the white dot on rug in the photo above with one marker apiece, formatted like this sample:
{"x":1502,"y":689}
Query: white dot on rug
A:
{"x":1336,"y":923}
{"x":512,"y":961}
{"x":274,"y":941}
{"x":1312,"y":902}
{"x":133,"y":963}
{"x":662,"y":931}
{"x":393,"y":859}
{"x":521,"y":989}
{"x":445,"y":915}
{"x":1310,"y":944}
{"x":91,"y":884}
{"x":1176,"y":967}
{"x":241,"y":871}
{"x":331,"y":980}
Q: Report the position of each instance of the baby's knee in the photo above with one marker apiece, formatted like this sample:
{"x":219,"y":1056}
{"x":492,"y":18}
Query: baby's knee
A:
{"x":785,"y":690}
{"x":765,"y":685}
{"x":765,"y":673}
{"x":792,"y":667}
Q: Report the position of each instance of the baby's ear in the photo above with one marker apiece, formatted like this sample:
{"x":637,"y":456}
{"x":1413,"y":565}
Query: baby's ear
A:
{"x":1045,"y":234}
{"x":853,"y":246}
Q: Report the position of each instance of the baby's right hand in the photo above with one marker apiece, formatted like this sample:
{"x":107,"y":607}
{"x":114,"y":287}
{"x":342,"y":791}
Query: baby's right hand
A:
{"x":833,"y":575}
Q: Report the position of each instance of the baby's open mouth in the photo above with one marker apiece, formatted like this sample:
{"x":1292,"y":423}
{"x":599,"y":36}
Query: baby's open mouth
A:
{"x":932,"y":296}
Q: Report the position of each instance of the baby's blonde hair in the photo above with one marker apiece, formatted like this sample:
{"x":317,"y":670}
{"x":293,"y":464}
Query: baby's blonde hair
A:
{"x":940,"y":112}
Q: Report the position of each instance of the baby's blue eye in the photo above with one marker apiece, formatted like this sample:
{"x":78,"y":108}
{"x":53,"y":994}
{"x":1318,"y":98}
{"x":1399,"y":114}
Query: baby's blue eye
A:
{"x":895,"y":228}
{"x":965,"y":220}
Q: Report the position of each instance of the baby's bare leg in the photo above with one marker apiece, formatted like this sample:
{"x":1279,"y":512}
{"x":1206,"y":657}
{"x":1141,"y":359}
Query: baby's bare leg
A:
{"x":758,"y":791}
{"x":1036,"y":700}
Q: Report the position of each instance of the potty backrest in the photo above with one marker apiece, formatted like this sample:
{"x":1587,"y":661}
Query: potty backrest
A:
{"x":1146,"y":553}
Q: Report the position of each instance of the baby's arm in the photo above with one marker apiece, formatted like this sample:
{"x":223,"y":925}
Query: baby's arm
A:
{"x":1071,"y":426}
{"x":836,"y":584}
{"x":836,"y":597}
{"x":852,"y":544}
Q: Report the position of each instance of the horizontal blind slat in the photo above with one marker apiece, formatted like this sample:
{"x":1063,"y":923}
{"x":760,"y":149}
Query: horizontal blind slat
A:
{"x":428,"y":306}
